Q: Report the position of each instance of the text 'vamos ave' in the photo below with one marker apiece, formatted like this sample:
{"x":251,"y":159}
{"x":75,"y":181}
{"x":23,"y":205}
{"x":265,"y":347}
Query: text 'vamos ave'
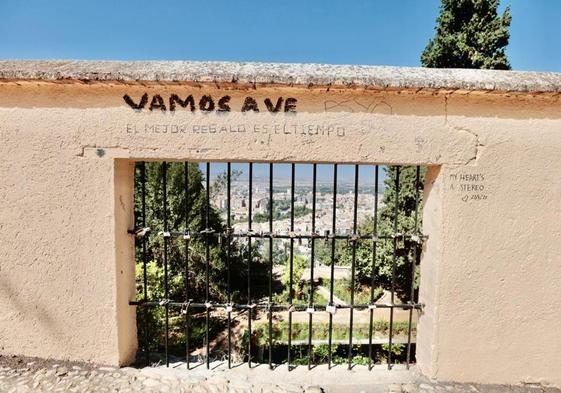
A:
{"x":208,"y":104}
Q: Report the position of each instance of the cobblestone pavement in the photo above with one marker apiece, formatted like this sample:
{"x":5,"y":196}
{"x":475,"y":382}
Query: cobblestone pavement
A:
{"x":34,"y":375}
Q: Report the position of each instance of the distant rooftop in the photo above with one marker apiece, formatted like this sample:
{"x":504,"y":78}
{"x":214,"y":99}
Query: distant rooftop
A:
{"x":376,"y":77}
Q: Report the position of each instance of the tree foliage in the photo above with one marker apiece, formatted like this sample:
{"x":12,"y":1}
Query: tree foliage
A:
{"x":469,"y":34}
{"x":405,"y":254}
{"x":187,"y":211}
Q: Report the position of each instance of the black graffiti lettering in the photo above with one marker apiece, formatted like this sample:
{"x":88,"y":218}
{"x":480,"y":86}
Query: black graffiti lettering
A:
{"x":290,"y":105}
{"x":206,"y":104}
{"x":272,"y":108}
{"x":157,"y":103}
{"x":174,"y":99}
{"x":135,"y":106}
{"x":250,"y":104}
{"x":223,"y":104}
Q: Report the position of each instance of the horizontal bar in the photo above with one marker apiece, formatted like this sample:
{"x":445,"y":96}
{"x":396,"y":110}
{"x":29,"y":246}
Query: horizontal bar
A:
{"x":359,"y":341}
{"x":271,"y":306}
{"x":287,"y":235}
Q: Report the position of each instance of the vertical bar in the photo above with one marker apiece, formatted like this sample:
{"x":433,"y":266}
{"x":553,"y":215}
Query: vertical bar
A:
{"x":228,"y":250}
{"x":207,"y":249}
{"x":413,"y":264}
{"x":312,"y":256}
{"x":373,"y":272}
{"x":143,"y":224}
{"x":291,"y":267}
{"x":166,"y":240}
{"x":186,"y":282}
{"x":249,"y":310}
{"x":394,"y":258}
{"x":144,"y":271}
{"x":332,"y":273}
{"x":271,"y":207}
{"x":353,"y":270}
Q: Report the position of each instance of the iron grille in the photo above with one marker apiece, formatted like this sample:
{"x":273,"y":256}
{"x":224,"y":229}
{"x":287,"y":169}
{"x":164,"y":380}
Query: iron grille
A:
{"x":189,"y":306}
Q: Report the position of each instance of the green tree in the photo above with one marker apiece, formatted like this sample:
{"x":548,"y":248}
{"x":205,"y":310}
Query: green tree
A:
{"x":469,"y":34}
{"x":383,"y":265}
{"x":187,"y":211}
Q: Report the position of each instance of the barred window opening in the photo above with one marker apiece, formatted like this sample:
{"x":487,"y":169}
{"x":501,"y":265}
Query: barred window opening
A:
{"x":277,"y":263}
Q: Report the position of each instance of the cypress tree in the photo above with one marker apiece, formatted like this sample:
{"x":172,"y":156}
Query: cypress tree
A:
{"x":469,"y":34}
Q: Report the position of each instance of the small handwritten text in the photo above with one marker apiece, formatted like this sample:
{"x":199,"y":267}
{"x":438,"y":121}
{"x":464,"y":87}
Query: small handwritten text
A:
{"x":471,"y":186}
{"x":320,"y":130}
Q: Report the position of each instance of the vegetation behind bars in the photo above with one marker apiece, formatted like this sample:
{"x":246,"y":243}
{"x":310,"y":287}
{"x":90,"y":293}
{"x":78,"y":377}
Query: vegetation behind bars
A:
{"x":187,"y":211}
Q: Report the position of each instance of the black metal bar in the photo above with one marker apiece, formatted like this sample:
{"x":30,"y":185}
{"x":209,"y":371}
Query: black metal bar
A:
{"x":144,"y":251}
{"x":312,"y":256}
{"x":353,"y":270}
{"x":413,"y":265}
{"x":207,"y":267}
{"x":394,"y":260}
{"x":228,"y":250}
{"x":143,"y":223}
{"x":289,"y":235}
{"x":166,"y":240}
{"x":250,"y":257}
{"x":332,"y":273}
{"x":373,"y":272}
{"x":265,"y":305}
{"x":186,"y":282}
{"x":291,"y":267}
{"x":271,"y":208}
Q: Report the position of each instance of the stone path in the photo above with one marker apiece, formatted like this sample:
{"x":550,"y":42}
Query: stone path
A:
{"x":35,"y":375}
{"x":323,"y":291}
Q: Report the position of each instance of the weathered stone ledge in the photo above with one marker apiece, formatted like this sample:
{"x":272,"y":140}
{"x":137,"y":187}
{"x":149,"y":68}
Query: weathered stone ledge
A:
{"x":376,"y":77}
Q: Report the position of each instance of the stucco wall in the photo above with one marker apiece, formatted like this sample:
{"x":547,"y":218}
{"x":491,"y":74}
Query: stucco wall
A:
{"x":490,"y":270}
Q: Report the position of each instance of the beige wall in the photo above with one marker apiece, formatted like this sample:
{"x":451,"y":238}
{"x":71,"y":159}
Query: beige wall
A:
{"x":490,"y":270}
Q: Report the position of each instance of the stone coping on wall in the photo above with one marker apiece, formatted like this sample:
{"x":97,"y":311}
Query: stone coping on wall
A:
{"x":361,"y":76}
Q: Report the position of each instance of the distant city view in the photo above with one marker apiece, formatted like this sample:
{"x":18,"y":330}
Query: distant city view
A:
{"x":303,"y":198}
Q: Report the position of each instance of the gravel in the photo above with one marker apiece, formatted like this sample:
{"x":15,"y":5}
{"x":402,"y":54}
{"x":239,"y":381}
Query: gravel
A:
{"x":38,"y":375}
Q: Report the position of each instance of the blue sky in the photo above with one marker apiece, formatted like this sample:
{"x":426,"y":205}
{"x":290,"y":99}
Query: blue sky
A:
{"x":386,"y":32}
{"x":303,"y":172}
